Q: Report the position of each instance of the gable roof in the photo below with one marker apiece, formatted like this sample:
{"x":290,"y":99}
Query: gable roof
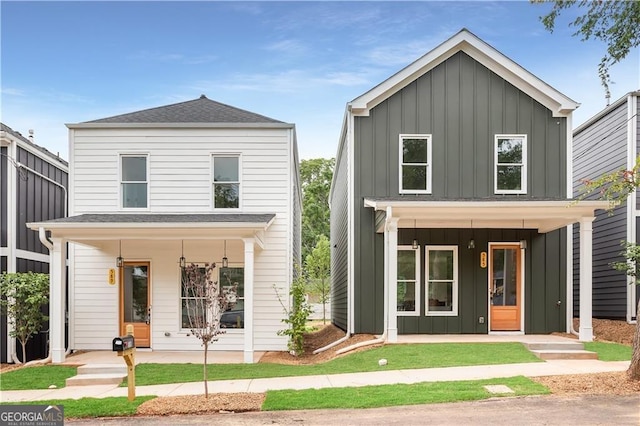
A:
{"x":201,"y":110}
{"x":482,"y":52}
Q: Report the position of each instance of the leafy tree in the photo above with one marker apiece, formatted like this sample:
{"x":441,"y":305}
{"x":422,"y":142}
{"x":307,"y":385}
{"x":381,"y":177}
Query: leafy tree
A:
{"x":23,"y":295}
{"x":204,"y":302}
{"x":297,"y":314}
{"x":315,"y":175}
{"x":614,"y":22}
{"x":318,"y":266}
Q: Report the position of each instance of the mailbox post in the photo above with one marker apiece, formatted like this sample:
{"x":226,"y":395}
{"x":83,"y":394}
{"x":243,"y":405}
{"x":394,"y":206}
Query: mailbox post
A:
{"x":126,"y":348}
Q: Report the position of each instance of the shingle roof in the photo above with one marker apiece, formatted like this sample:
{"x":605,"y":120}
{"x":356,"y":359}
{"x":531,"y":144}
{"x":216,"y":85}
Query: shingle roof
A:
{"x":18,"y":135}
{"x":201,"y":110}
{"x":167,"y":218}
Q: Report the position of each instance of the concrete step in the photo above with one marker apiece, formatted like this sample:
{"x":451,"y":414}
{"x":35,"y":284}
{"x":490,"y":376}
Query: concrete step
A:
{"x":551,"y":346}
{"x":95,"y":379}
{"x":102,"y":369}
{"x":564,"y":354}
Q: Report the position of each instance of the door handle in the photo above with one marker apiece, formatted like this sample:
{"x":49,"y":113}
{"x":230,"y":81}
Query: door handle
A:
{"x":148,"y":315}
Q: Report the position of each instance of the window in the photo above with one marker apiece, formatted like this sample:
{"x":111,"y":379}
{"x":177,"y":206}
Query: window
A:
{"x":193,"y":300}
{"x":408,"y":281}
{"x":511,"y":164}
{"x":415,"y":164}
{"x":442,"y":281}
{"x":133,"y":178}
{"x":226,"y":182}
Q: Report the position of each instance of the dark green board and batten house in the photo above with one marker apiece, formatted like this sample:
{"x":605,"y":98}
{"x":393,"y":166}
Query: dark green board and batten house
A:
{"x":451,"y":200}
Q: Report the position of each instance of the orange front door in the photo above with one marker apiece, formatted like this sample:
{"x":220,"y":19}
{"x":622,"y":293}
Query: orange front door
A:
{"x":135,"y":301}
{"x":505,"y":287}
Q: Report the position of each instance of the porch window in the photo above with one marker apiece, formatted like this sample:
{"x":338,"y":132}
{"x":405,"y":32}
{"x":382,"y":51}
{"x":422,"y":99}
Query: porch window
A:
{"x":510,"y":175}
{"x":134,"y":181}
{"x":226,"y":181}
{"x":227,"y":277}
{"x":415,"y":164}
{"x":442,"y":281}
{"x":408,"y":281}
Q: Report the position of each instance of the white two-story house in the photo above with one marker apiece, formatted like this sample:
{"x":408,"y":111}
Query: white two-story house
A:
{"x":150,"y":191}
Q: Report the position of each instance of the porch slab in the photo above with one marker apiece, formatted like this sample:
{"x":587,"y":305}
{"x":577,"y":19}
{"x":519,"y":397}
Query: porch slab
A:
{"x":144,"y":356}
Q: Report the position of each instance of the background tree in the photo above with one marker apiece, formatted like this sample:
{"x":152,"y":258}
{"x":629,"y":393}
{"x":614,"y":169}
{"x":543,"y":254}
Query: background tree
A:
{"x":318,"y":265}
{"x":614,"y":22}
{"x":23,"y":296}
{"x":315,"y":175}
{"x":204,"y":301}
{"x":297,"y":311}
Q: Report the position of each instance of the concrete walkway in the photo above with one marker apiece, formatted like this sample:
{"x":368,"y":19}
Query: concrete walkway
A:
{"x":548,"y":368}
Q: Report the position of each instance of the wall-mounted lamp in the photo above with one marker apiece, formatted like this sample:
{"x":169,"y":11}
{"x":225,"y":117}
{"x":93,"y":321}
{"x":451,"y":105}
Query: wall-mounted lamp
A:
{"x":472,"y":244}
{"x":119,"y":259}
{"x":414,"y":245}
{"x":183,"y":261}
{"x":225,"y":260}
{"x":523,"y":244}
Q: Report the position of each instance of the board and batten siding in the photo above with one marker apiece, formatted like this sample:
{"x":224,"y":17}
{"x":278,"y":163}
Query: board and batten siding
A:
{"x":180,"y":182}
{"x":462,"y":105}
{"x":598,"y":149}
{"x":340,"y":239}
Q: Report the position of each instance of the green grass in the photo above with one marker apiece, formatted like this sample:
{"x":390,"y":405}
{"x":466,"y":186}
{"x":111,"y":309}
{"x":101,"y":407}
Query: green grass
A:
{"x":93,"y":407}
{"x":399,"y":357}
{"x":37,"y":377}
{"x":609,"y":351}
{"x":392,"y":395}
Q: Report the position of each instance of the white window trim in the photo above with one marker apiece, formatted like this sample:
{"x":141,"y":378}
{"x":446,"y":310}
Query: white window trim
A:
{"x":524,"y":164}
{"x":120,"y":182}
{"x":454,"y":293}
{"x":429,"y":163}
{"x":417,"y":283}
{"x":211,"y":182}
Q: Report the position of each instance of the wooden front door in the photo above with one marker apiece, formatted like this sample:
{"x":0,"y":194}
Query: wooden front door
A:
{"x":505,"y":287}
{"x":135,"y":301}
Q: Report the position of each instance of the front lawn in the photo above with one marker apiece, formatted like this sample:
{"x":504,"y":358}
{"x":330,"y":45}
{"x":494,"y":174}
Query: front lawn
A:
{"x":93,"y":407}
{"x":36,"y":377}
{"x":609,"y":351}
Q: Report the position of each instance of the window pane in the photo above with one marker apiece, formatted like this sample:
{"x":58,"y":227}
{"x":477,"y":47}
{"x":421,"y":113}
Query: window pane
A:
{"x":510,"y":151}
{"x":233,"y":318}
{"x":134,"y":169}
{"x":406,"y":296}
{"x":414,"y":151}
{"x":136,"y":291}
{"x":196,"y":309}
{"x":510,"y":177}
{"x":225,"y":169}
{"x":134,"y":195}
{"x":226,"y":196}
{"x":406,"y":265}
{"x":414,"y":177}
{"x":233,"y":276}
{"x":440,"y":265}
{"x":440,"y":296}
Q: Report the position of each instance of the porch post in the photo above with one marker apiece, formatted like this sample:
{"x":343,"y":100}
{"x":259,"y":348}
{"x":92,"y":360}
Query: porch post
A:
{"x":586,"y":233}
{"x":392,"y":279}
{"x":57,"y":292}
{"x":248,"y":299}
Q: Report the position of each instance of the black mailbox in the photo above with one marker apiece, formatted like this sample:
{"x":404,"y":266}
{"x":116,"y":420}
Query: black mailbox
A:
{"x":123,"y":342}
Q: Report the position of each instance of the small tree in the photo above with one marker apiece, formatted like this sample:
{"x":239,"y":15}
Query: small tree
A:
{"x":318,"y":266}
{"x":297,"y":314}
{"x":23,"y":295}
{"x":205,"y":301}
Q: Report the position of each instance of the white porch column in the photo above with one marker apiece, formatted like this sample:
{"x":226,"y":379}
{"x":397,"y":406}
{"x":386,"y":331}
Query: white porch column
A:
{"x":248,"y":299}
{"x":57,"y":293}
{"x":586,"y":249}
{"x":391,"y":234}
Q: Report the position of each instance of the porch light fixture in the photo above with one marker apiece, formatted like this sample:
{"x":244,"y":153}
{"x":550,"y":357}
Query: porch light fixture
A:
{"x":183,"y":261}
{"x":472,"y":244}
{"x":119,"y":259}
{"x":414,"y":245}
{"x":225,"y":261}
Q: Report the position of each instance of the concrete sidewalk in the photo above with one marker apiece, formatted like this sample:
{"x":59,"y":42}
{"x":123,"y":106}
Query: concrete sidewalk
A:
{"x":548,"y":368}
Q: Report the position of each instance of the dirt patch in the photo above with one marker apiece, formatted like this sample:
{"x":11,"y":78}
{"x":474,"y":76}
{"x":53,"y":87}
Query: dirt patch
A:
{"x":199,"y":404}
{"x":592,"y":384}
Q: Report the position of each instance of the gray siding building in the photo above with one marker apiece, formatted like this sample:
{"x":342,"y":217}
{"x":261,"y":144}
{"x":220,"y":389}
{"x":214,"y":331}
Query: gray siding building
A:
{"x":449,"y":204}
{"x":33,"y":184}
{"x":607,"y":142}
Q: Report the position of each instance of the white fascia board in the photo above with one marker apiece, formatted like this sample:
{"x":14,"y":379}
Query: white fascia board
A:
{"x":180,"y":125}
{"x":341,"y":142}
{"x":151,"y":225}
{"x":558,"y":103}
{"x":48,"y":156}
{"x":604,"y":112}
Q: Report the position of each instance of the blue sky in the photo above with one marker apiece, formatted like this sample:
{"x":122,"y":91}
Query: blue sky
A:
{"x":298,"y":62}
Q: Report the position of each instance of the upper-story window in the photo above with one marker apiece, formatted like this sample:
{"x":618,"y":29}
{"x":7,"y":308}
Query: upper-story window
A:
{"x":415,"y":164}
{"x":134,"y":180}
{"x":511,"y":164}
{"x":226,"y":181}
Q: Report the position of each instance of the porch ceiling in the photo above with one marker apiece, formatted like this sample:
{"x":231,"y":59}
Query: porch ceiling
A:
{"x":543,"y":215}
